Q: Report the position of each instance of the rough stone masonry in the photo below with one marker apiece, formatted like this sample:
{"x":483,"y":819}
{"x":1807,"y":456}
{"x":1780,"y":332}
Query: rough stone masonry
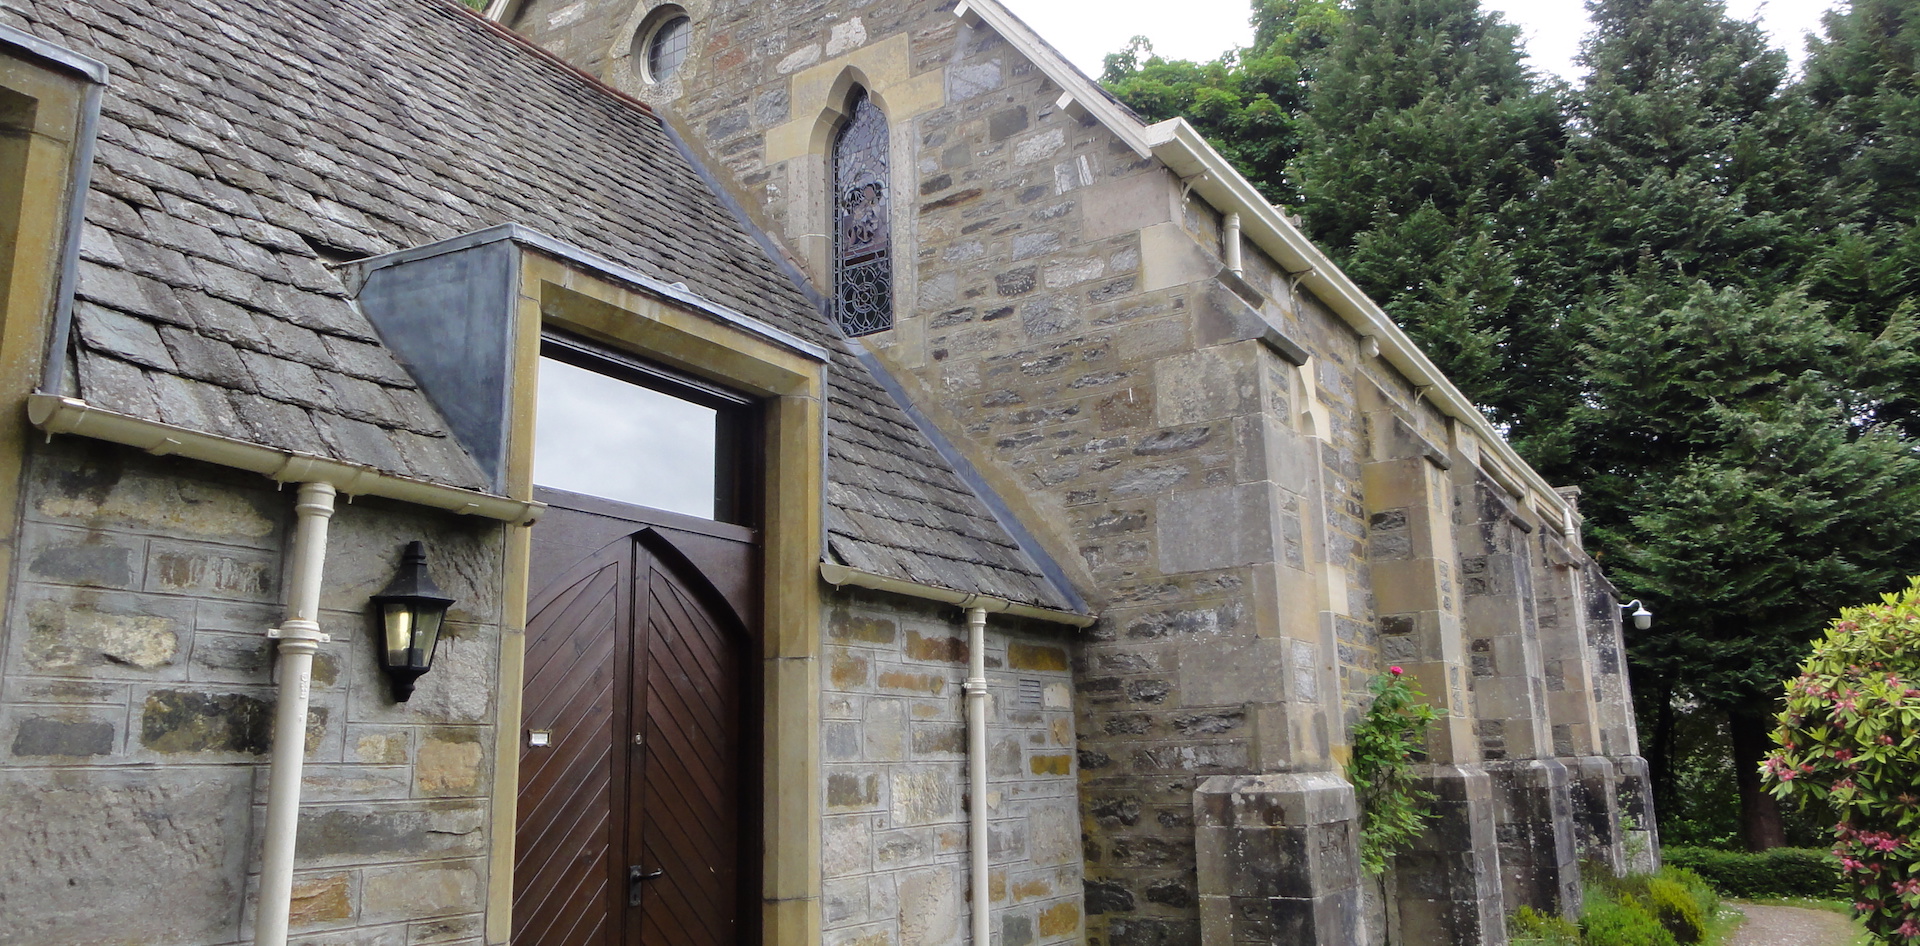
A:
{"x":1264,"y":511}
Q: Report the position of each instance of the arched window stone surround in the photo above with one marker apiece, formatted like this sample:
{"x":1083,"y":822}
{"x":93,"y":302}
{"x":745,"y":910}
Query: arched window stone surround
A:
{"x":860,"y":166}
{"x":820,"y":96}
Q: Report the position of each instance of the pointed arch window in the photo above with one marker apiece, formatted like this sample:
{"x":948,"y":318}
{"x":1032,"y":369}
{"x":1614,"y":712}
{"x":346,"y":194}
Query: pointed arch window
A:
{"x":862,"y":237}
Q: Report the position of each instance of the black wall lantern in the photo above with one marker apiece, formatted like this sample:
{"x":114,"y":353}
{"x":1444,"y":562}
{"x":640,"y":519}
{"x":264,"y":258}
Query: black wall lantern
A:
{"x":411,"y":611}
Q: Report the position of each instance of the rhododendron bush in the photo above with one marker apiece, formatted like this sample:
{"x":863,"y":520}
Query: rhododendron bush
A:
{"x":1850,"y":740}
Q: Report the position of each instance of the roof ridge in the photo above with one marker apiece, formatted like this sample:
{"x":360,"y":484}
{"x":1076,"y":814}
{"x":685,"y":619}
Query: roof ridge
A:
{"x":524,"y":43}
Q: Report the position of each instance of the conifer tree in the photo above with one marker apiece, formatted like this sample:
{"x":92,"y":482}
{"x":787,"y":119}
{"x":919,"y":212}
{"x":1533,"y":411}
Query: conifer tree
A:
{"x":1426,"y":139}
{"x":1864,"y":77}
{"x":1694,"y":195}
{"x":1687,"y":160}
{"x":1862,"y":82}
{"x":1738,"y":479}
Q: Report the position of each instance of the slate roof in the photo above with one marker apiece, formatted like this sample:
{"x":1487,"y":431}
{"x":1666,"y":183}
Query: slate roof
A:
{"x":244,"y":144}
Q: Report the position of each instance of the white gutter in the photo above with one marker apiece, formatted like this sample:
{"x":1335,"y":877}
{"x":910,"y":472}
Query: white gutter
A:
{"x":300,"y":638}
{"x":66,"y":415}
{"x":837,"y":575}
{"x":1187,"y":153}
{"x":976,"y":689}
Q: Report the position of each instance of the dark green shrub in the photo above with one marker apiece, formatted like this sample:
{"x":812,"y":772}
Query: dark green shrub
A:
{"x":1621,"y":921}
{"x":1531,"y":928}
{"x":1677,"y":910}
{"x":1781,"y":872}
{"x":1695,"y":885}
{"x":1678,"y":898}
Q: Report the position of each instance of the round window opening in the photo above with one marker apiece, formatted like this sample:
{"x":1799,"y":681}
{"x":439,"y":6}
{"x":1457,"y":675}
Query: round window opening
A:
{"x":667,"y":47}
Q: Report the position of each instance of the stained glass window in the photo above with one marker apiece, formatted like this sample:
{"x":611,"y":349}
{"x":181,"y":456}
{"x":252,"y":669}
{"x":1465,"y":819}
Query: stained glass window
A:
{"x":863,"y":273}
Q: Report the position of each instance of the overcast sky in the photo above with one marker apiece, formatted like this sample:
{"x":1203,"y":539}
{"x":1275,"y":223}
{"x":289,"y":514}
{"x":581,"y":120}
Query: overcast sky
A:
{"x":1087,"y":30}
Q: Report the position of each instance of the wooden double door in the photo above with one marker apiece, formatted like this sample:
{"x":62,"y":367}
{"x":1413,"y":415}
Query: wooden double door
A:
{"x":636,"y":817}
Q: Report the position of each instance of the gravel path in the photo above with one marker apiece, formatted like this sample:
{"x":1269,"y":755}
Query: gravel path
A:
{"x":1791,"y":926}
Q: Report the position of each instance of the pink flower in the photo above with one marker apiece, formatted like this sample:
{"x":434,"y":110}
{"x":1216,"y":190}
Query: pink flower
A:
{"x":1396,"y":671}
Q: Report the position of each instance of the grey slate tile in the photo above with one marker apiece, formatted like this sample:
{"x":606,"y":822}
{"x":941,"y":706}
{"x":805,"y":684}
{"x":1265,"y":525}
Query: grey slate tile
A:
{"x":155,"y":262}
{"x":222,"y":320}
{"x":288,"y":340}
{"x":97,"y":246}
{"x":129,"y":293}
{"x":318,"y":312}
{"x":138,"y":167}
{"x":176,"y":233}
{"x":278,"y":424}
{"x":122,"y":336}
{"x":308,"y":274}
{"x":115,"y":385}
{"x":362,"y":442}
{"x":438,"y":460}
{"x":195,"y":405}
{"x":206,"y":358}
{"x":226,"y":282}
{"x":285,"y":380}
{"x":367,"y":360}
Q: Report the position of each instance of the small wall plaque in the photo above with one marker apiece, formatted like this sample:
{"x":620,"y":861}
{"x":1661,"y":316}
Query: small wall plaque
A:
{"x":539,"y":738}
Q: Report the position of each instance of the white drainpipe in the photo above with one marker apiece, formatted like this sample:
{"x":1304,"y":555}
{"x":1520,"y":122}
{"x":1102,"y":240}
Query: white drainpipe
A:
{"x":1231,"y":238}
{"x":300,"y":638}
{"x":976,"y":688}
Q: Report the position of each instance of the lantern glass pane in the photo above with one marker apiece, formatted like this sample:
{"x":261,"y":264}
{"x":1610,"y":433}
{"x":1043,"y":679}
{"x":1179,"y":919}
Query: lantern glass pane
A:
{"x":426,"y":632}
{"x":398,"y":619}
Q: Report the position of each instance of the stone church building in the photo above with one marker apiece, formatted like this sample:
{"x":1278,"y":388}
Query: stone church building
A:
{"x":888,"y":494}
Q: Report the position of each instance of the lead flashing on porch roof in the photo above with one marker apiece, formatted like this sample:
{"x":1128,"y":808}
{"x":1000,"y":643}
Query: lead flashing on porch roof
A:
{"x":595,"y":264}
{"x":60,"y":57}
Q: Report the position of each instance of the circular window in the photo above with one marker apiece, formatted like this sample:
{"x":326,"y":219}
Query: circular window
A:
{"x":667,"y":47}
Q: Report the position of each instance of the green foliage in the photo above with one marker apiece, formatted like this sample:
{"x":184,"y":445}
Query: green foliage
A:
{"x":1247,"y":103}
{"x":1392,"y":811}
{"x":1678,"y":900}
{"x":1781,"y":872}
{"x":1621,"y":920}
{"x":1678,"y":909}
{"x":1849,"y":739}
{"x":1864,"y":77}
{"x":1693,"y":163}
{"x":1426,"y":143}
{"x":1529,"y":927}
{"x":1670,"y":908}
{"x":1741,"y":477}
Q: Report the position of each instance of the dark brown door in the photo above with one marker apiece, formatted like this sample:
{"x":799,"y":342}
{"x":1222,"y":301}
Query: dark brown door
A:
{"x":635,"y":818}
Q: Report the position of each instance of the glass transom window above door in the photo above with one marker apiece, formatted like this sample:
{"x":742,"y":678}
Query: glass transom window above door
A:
{"x":617,"y":428}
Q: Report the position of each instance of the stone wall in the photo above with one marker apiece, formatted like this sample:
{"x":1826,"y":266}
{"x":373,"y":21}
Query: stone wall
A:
{"x":136,"y":712}
{"x":894,"y":744}
{"x":1263,"y":510}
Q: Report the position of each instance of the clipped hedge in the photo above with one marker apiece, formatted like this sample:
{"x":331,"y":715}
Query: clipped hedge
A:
{"x":1781,"y":872}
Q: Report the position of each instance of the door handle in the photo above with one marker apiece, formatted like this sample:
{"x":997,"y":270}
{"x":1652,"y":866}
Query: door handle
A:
{"x":635,"y":877}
